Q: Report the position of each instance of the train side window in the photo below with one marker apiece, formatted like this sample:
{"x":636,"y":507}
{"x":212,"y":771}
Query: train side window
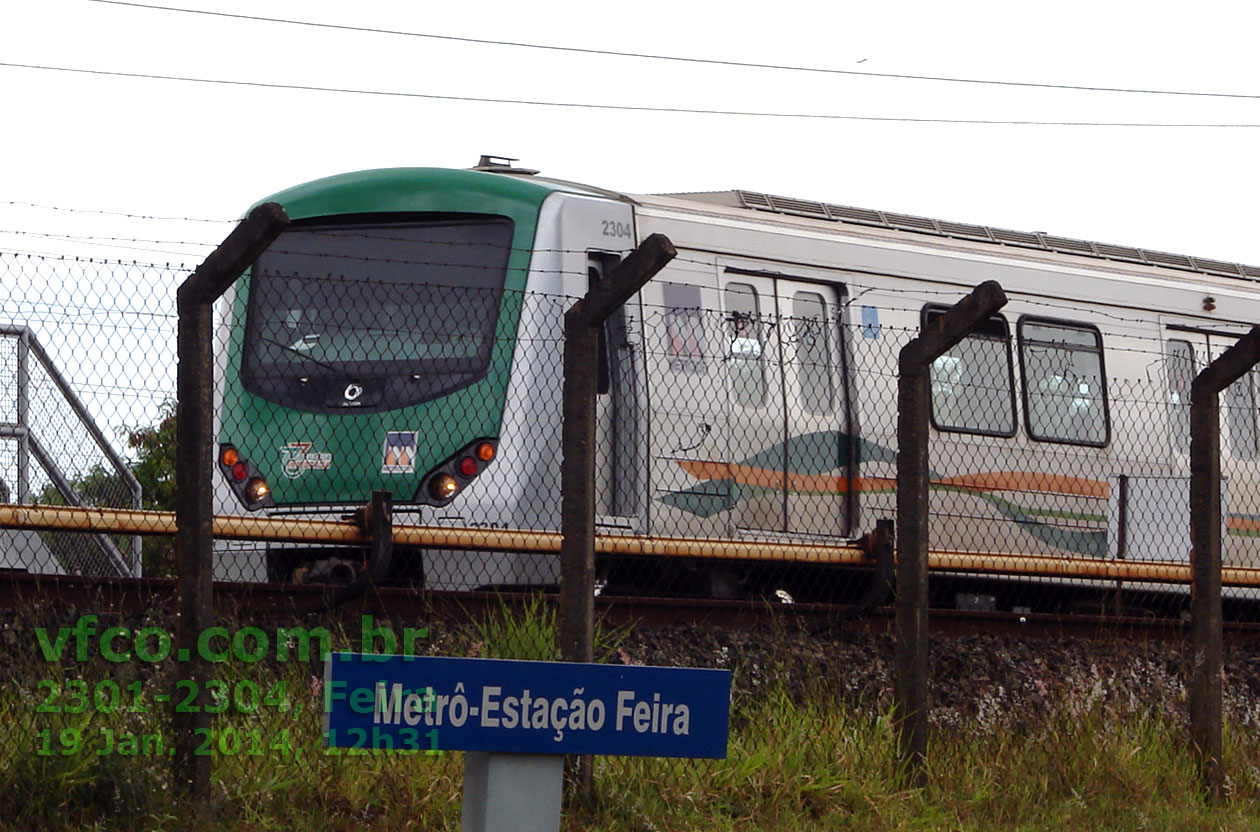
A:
{"x":1240,"y":414}
{"x":973,"y":385}
{"x":1065,"y":394}
{"x":1180,"y":369}
{"x":812,"y":337}
{"x":684,"y":328}
{"x":747,"y":347}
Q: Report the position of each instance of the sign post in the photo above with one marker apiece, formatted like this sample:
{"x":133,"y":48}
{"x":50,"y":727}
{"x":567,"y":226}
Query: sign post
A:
{"x":518,"y":719}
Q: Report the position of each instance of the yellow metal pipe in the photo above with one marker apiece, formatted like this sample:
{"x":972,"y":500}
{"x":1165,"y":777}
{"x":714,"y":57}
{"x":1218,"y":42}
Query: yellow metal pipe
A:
{"x":299,"y":529}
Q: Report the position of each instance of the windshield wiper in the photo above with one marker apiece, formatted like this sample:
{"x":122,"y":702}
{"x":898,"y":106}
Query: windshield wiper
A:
{"x":295,"y":351}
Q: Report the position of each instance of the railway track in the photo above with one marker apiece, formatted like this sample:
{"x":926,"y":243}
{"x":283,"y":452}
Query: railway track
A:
{"x":270,"y":602}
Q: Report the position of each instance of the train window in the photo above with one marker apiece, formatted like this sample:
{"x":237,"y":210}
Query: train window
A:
{"x":684,"y":328}
{"x":1240,"y":415}
{"x":812,"y":337}
{"x":1065,"y":397}
{"x":396,"y":312}
{"x":973,"y":385}
{"x":1180,"y":368}
{"x":747,"y":347}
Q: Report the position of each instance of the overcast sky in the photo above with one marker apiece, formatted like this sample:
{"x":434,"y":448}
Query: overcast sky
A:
{"x":187,"y":149}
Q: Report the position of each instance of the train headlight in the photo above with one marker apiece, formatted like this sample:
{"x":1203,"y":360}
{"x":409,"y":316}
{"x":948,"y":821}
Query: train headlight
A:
{"x":443,"y":487}
{"x":257,"y":489}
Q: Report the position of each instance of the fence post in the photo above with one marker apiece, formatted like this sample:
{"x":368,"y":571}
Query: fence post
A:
{"x":910,"y":695}
{"x":1206,"y":672}
{"x":194,"y":469}
{"x":577,"y":471}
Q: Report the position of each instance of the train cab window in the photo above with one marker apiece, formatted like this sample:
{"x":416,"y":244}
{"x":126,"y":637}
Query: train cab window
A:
{"x":973,"y":385}
{"x":1180,"y":369}
{"x":684,"y":328}
{"x":746,"y":352}
{"x":812,"y":337}
{"x":1065,"y":397}
{"x":1240,"y":417}
{"x":405,"y":310}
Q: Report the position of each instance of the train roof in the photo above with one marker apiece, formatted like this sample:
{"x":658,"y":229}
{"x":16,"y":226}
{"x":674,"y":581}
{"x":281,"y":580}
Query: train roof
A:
{"x":524,"y":185}
{"x":790,"y":206}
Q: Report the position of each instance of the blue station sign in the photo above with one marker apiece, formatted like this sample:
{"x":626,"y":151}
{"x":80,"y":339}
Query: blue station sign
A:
{"x":423,"y":703}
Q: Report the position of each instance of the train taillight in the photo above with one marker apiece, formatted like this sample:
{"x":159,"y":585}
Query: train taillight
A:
{"x":448,"y":479}
{"x":247,"y":482}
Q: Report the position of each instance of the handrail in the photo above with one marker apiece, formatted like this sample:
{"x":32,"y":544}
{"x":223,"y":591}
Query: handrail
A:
{"x":28,"y":444}
{"x":844,"y":553}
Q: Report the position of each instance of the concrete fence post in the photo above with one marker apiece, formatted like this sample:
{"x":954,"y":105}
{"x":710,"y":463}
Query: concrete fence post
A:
{"x":910,"y":695}
{"x":194,"y":468}
{"x":1206,"y":672}
{"x":577,"y":473}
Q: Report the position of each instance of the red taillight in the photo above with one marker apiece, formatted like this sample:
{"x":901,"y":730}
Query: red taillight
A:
{"x":240,"y":471}
{"x":468,"y":466}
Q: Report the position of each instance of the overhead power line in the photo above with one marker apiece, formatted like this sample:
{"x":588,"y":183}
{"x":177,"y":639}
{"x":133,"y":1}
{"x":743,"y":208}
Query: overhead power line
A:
{"x":627,"y":107}
{"x":43,"y":207}
{"x":679,"y":58}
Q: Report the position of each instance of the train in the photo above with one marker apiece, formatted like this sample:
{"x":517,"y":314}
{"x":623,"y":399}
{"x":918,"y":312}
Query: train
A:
{"x":405,"y":334}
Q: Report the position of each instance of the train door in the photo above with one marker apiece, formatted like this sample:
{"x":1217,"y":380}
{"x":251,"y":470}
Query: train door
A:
{"x":618,"y":402}
{"x":1188,"y":349}
{"x":787,"y":425}
{"x":816,"y":408}
{"x":755,"y":426}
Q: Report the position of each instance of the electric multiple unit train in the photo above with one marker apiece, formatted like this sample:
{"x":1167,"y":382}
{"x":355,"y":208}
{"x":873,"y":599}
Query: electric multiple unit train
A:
{"x":405,"y":334}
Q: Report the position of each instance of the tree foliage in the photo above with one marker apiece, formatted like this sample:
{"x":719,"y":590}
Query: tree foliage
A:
{"x":153,"y":465}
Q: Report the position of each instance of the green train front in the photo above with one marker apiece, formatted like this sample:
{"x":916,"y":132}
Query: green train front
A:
{"x":372,"y":347}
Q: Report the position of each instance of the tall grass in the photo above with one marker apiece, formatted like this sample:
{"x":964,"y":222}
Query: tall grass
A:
{"x":799,"y":758}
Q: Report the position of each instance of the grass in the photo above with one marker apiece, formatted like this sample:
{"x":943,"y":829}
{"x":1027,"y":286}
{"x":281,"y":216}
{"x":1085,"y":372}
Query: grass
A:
{"x":799,"y":758}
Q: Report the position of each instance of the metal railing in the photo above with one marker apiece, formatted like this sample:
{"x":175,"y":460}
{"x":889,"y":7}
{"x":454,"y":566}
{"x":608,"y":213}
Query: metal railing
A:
{"x":125,"y":561}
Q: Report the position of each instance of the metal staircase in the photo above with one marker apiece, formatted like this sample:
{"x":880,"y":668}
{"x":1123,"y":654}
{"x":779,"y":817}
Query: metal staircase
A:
{"x":55,"y":444}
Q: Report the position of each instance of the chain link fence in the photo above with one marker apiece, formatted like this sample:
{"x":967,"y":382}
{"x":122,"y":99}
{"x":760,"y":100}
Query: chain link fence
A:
{"x":745,"y":443}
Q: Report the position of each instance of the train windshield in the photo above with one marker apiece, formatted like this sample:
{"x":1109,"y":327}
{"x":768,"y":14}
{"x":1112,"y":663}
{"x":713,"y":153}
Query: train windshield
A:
{"x":375,"y":316}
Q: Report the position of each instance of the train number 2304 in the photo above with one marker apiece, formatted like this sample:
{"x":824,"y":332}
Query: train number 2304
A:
{"x":616,"y":229}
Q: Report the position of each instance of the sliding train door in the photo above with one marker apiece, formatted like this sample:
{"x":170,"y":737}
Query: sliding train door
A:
{"x":819,"y":435}
{"x":787,"y":418}
{"x":1188,"y":348}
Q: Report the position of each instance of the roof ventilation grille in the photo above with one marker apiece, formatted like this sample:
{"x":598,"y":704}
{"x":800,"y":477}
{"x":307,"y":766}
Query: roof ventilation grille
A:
{"x":751,"y":199}
{"x":787,"y":205}
{"x":1165,"y":259}
{"x":964,"y":230}
{"x":1004,"y":236}
{"x":1126,"y":253}
{"x":909,"y":222}
{"x":1019,"y":238}
{"x":860,"y":215}
{"x":1219,"y":267}
{"x":1068,"y":245}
